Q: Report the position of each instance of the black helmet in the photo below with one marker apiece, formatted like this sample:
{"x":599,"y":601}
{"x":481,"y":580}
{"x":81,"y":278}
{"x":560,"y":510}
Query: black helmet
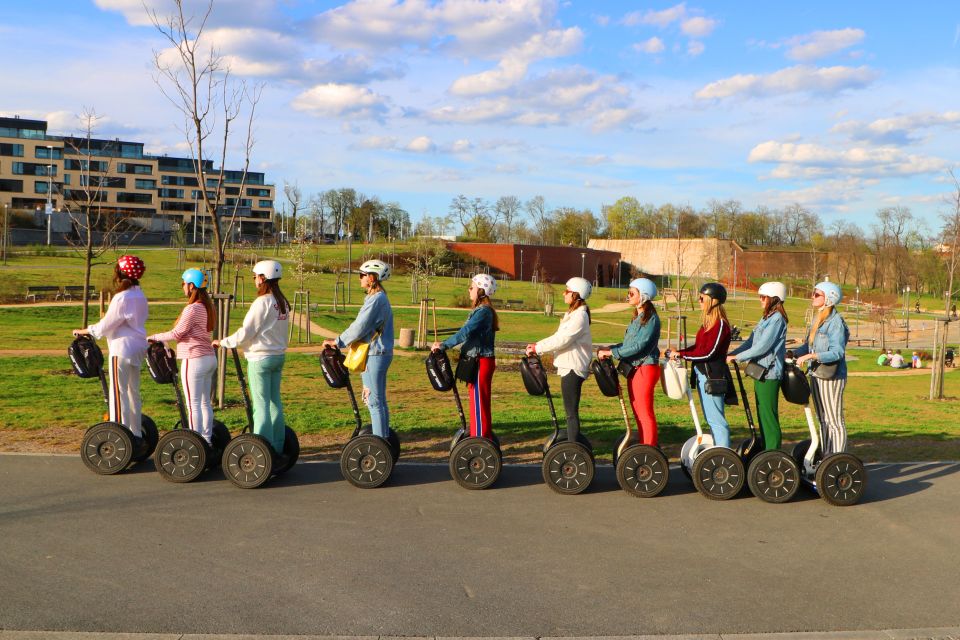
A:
{"x":715,"y":290}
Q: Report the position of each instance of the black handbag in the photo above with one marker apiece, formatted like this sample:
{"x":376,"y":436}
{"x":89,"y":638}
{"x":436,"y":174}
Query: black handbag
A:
{"x":334,"y":372}
{"x":534,"y":377}
{"x":606,"y":376}
{"x":161,"y":363}
{"x":467,"y":368}
{"x":716,"y":386}
{"x":439,"y":371}
{"x":756,"y":371}
{"x":625,"y":368}
{"x":823,"y":371}
{"x":86,"y":357}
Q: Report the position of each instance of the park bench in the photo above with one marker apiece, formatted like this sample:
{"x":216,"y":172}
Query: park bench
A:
{"x":77,"y":290}
{"x":43,"y":291}
{"x":506,"y":304}
{"x":859,"y":341}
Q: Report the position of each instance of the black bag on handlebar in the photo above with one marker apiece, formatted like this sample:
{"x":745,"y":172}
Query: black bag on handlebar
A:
{"x":86,"y":357}
{"x":439,"y":371}
{"x":794,"y":386}
{"x":534,"y":377}
{"x":161,"y":363}
{"x":334,"y":371}
{"x":606,"y":375}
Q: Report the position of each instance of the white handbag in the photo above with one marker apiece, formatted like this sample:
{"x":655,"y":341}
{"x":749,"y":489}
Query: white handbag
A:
{"x":673,"y":380}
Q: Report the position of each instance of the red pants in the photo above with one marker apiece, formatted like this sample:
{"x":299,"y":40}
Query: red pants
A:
{"x":480,"y":425}
{"x":640,"y":387}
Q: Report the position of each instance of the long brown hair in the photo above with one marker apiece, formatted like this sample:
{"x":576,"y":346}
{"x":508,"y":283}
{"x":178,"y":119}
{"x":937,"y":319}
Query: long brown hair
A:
{"x":577,"y":303}
{"x":377,"y":285}
{"x":484,"y":299}
{"x":122,"y":282}
{"x":201,"y":296}
{"x":710,"y":317}
{"x":771,"y":307}
{"x":648,"y":312}
{"x":273,"y":286}
{"x":819,"y":320}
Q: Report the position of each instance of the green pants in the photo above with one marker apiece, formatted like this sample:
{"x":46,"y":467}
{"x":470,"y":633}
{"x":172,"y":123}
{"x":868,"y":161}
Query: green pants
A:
{"x":265,"y":395}
{"x":767,"y":393}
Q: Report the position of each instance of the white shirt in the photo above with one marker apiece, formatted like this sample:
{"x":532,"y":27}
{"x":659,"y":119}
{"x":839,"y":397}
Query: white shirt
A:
{"x":264,"y":332}
{"x":572,"y":343}
{"x":124,"y":325}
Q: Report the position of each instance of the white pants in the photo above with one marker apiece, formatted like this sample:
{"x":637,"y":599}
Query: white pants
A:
{"x":828,"y":400}
{"x":196,"y":377}
{"x":124,"y":393}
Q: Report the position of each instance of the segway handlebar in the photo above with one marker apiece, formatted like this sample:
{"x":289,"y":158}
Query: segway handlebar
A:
{"x":746,"y":403}
{"x":248,"y":405}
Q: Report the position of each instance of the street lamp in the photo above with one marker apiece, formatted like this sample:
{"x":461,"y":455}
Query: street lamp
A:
{"x":583,"y":258}
{"x":858,"y":313}
{"x":906,"y":308}
{"x":521,"y":265}
{"x":49,"y":191}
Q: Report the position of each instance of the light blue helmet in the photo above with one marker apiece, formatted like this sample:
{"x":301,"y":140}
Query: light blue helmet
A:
{"x":831,"y":292}
{"x":646,"y":287}
{"x":194,"y":277}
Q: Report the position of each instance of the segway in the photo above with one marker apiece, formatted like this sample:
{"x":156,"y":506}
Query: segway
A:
{"x":367,"y":460}
{"x":475,"y":461}
{"x":717,"y":472}
{"x":108,"y":447}
{"x":840,"y":478}
{"x":772,"y":476}
{"x":249,"y":460}
{"x":641,"y":470}
{"x":568,"y":467}
{"x":182,"y":454}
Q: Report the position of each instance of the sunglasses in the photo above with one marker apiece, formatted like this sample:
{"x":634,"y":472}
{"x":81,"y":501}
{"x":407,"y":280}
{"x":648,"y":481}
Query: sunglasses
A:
{"x":363,"y":275}
{"x":701,"y":298}
{"x":817,"y":294}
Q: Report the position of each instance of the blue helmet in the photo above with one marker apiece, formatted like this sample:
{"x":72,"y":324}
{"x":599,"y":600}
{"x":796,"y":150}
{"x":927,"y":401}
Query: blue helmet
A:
{"x":195,"y":277}
{"x":646,"y":287}
{"x":831,"y":292}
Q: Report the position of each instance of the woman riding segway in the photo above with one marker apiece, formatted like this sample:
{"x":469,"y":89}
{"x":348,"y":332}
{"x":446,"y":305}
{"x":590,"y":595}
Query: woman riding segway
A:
{"x":176,"y":454}
{"x":639,"y":356}
{"x":475,"y":457}
{"x":250,"y":459}
{"x":109,"y":447}
{"x":718,"y":471}
{"x":373,"y":326}
{"x":570,"y":470}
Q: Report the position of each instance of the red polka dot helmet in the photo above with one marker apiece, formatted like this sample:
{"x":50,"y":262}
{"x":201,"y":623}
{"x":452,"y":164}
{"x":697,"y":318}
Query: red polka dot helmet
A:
{"x":131,"y":266}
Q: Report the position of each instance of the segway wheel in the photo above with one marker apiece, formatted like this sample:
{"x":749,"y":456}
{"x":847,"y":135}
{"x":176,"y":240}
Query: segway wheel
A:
{"x":248,"y":461}
{"x":568,"y":468}
{"x":107,"y":448}
{"x":366,"y":461}
{"x":221,"y":438}
{"x":150,"y":435}
{"x":475,"y":463}
{"x":841,"y":479}
{"x":773,"y":476}
{"x":394,"y":441}
{"x":643,"y":471}
{"x":718,"y":473}
{"x":181,"y":456}
{"x":291,"y":451}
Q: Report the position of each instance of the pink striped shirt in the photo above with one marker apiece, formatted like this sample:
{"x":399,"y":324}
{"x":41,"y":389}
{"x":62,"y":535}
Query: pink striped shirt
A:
{"x":193,"y":339}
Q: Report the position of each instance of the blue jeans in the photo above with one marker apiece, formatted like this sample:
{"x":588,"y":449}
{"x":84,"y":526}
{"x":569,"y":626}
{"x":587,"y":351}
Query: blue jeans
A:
{"x":713,"y":412}
{"x":375,"y":379}
{"x":265,"y":395}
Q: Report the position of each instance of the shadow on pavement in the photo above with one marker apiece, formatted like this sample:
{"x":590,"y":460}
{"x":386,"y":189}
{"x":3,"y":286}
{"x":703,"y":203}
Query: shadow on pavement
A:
{"x":891,"y":481}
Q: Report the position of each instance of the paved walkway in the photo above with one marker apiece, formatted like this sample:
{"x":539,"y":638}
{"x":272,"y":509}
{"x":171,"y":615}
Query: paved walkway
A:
{"x":948,"y":633}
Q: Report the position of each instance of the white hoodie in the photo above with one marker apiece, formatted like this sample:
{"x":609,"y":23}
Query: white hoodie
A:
{"x":264,"y":332}
{"x":124,"y":325}
{"x":572,"y":343}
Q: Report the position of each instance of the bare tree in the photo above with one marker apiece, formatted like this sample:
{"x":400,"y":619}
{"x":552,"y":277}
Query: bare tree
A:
{"x":507,"y":208}
{"x":196,"y":80}
{"x":295,"y":197}
{"x":951,"y":232}
{"x":537,"y":209}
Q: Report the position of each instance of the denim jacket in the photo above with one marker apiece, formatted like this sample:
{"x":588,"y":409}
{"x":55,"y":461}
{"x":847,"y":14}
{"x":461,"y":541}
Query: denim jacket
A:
{"x":640,"y":343}
{"x":375,"y":315}
{"x":476,"y":334}
{"x":829,"y":344}
{"x":767,"y":345}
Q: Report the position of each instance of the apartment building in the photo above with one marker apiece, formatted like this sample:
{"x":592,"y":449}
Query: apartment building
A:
{"x":119,"y":178}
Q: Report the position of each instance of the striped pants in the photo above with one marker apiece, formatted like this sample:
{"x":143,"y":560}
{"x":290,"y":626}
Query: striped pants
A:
{"x":828,"y":401}
{"x":124,"y":393}
{"x":480,"y":425}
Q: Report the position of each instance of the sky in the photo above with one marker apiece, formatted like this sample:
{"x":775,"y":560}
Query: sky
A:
{"x":843,"y":107}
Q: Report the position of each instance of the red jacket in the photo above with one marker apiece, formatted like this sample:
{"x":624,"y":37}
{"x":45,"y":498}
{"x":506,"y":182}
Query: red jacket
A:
{"x":709,"y":351}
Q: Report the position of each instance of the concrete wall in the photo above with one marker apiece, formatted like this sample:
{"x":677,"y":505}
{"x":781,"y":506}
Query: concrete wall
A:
{"x":552,"y":264}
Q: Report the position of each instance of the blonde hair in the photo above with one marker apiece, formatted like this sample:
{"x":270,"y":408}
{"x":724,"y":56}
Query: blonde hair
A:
{"x":712,"y":315}
{"x":817,"y":322}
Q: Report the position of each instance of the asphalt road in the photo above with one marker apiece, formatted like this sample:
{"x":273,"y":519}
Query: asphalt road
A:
{"x":309,"y":554}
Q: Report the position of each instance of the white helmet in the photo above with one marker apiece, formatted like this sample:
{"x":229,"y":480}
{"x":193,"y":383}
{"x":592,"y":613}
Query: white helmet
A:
{"x":269,"y":269}
{"x":831,"y":292}
{"x":773,"y":290}
{"x":486,"y":282}
{"x":581,"y":285}
{"x":646,"y":287}
{"x":377,"y":267}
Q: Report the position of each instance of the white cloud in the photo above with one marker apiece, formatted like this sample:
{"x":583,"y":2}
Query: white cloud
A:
{"x":341,"y":101}
{"x":653,"y":45}
{"x":819,"y":44}
{"x":811,"y":161}
{"x":830,"y":193}
{"x":695,"y":48}
{"x":421,"y":144}
{"x":658,"y":18}
{"x":698,"y":26}
{"x":378,"y":142}
{"x":900,"y":130}
{"x":602,"y":20}
{"x":801,"y":78}
{"x":225,"y":12}
{"x":461,"y":146}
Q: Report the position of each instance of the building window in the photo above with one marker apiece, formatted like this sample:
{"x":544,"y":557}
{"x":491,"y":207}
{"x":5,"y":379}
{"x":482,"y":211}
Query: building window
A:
{"x":179,"y":181}
{"x":11,"y":150}
{"x":44,"y":153}
{"x":265,"y":203}
{"x":14,"y":186}
{"x":140,"y":183}
{"x":33,"y":169}
{"x":113,"y":182}
{"x":129,"y":167}
{"x":258,"y":193}
{"x":134,"y":198}
{"x":171,"y":193}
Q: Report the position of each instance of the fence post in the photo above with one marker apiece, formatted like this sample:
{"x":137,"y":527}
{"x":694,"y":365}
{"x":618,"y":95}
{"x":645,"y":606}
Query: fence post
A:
{"x":939,"y":351}
{"x":223,"y":302}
